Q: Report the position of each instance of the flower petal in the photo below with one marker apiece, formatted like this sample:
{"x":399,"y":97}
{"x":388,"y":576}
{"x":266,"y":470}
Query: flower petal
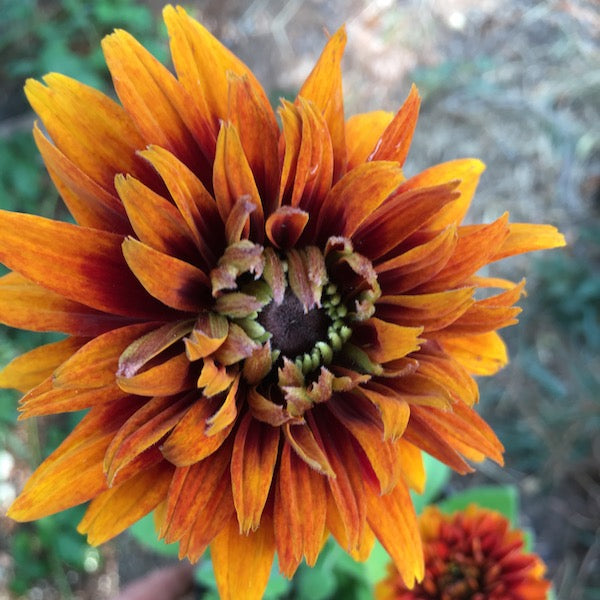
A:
{"x":253,"y":460}
{"x":233,"y":180}
{"x":482,"y":354}
{"x":73,"y":473}
{"x":253,"y":118}
{"x":207,"y":336}
{"x":156,"y":221}
{"x":174,"y":282}
{"x":194,"y":202}
{"x":392,"y":517}
{"x":30,"y":369}
{"x":385,"y":341}
{"x":475,"y":247}
{"x":419,"y":264}
{"x":26,"y":305}
{"x":114,"y":510}
{"x":90,"y":204}
{"x":285,"y":226}
{"x":202,"y":64}
{"x":307,"y":169}
{"x":302,"y":439}
{"x":191,"y":490}
{"x":169,"y":377}
{"x":394,"y":144}
{"x":324,"y":88}
{"x":433,"y":311}
{"x":362,"y":133}
{"x":355,"y":197}
{"x":395,"y":411}
{"x":89,"y":128}
{"x":143,"y":429}
{"x":386,"y":227}
{"x":153,"y":98}
{"x":95,"y":365}
{"x":189,"y":442}
{"x":242,"y":563}
{"x":525,"y":237}
{"x":467,"y":170}
{"x":85,"y":265}
{"x":299,"y":513}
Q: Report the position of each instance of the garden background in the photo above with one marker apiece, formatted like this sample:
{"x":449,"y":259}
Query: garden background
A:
{"x":515,"y":83}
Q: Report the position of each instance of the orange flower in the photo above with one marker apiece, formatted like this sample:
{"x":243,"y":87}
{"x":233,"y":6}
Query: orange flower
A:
{"x":470,"y":555}
{"x":267,"y":325}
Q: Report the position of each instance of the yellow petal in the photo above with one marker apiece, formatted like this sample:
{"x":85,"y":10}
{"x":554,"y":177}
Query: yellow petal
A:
{"x":242,"y":563}
{"x":524,"y":237}
{"x":362,"y":133}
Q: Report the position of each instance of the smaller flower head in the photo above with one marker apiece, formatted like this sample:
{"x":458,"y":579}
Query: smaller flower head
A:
{"x":470,"y":555}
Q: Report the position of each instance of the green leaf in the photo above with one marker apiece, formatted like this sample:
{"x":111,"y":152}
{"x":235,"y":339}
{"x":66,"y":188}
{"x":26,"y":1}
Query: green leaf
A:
{"x":502,"y":498}
{"x":376,"y":564}
{"x":438,"y":475}
{"x":145,"y":533}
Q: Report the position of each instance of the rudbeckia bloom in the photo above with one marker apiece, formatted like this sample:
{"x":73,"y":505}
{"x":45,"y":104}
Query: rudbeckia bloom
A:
{"x":267,"y":321}
{"x":470,"y":555}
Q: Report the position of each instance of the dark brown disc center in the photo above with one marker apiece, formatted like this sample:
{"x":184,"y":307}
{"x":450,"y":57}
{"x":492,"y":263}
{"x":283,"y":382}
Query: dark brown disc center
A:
{"x":293,"y":332}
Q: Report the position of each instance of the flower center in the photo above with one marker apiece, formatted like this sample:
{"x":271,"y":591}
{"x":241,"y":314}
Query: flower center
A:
{"x":293,"y":331}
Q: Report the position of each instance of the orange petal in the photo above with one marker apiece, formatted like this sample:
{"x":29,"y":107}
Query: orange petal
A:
{"x":432,"y":311}
{"x":227,"y":413}
{"x":116,"y":509}
{"x":394,"y":144}
{"x":482,"y":354}
{"x":90,"y":204}
{"x":386,"y":341}
{"x":89,"y":128}
{"x":26,"y":305}
{"x":486,"y":315}
{"x":174,"y":282}
{"x":363,"y":421}
{"x":189,"y":443}
{"x":192,"y":490}
{"x":464,"y":430}
{"x":30,"y":369}
{"x":156,"y":221}
{"x":299,"y":513}
{"x":202,"y":64}
{"x":308,"y":159}
{"x":324,"y":88}
{"x":524,"y":237}
{"x":347,"y":487}
{"x":253,"y":459}
{"x":208,"y":334}
{"x":302,"y":439}
{"x":153,"y":97}
{"x":194,"y":202}
{"x":475,"y":248}
{"x":257,"y":126}
{"x":285,"y":226}
{"x":354,"y":198}
{"x":85,"y":265}
{"x":467,"y":170}
{"x":46,"y":400}
{"x":451,"y":375}
{"x":413,"y":469}
{"x":73,"y":473}
{"x":169,"y":377}
{"x":394,"y":410}
{"x":233,"y":180}
{"x":421,"y":434}
{"x":419,"y":264}
{"x":95,"y":365}
{"x":143,"y":429}
{"x":362,"y":133}
{"x":394,"y":522}
{"x":214,"y":378}
{"x":400,"y":215}
{"x":242,"y":563}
